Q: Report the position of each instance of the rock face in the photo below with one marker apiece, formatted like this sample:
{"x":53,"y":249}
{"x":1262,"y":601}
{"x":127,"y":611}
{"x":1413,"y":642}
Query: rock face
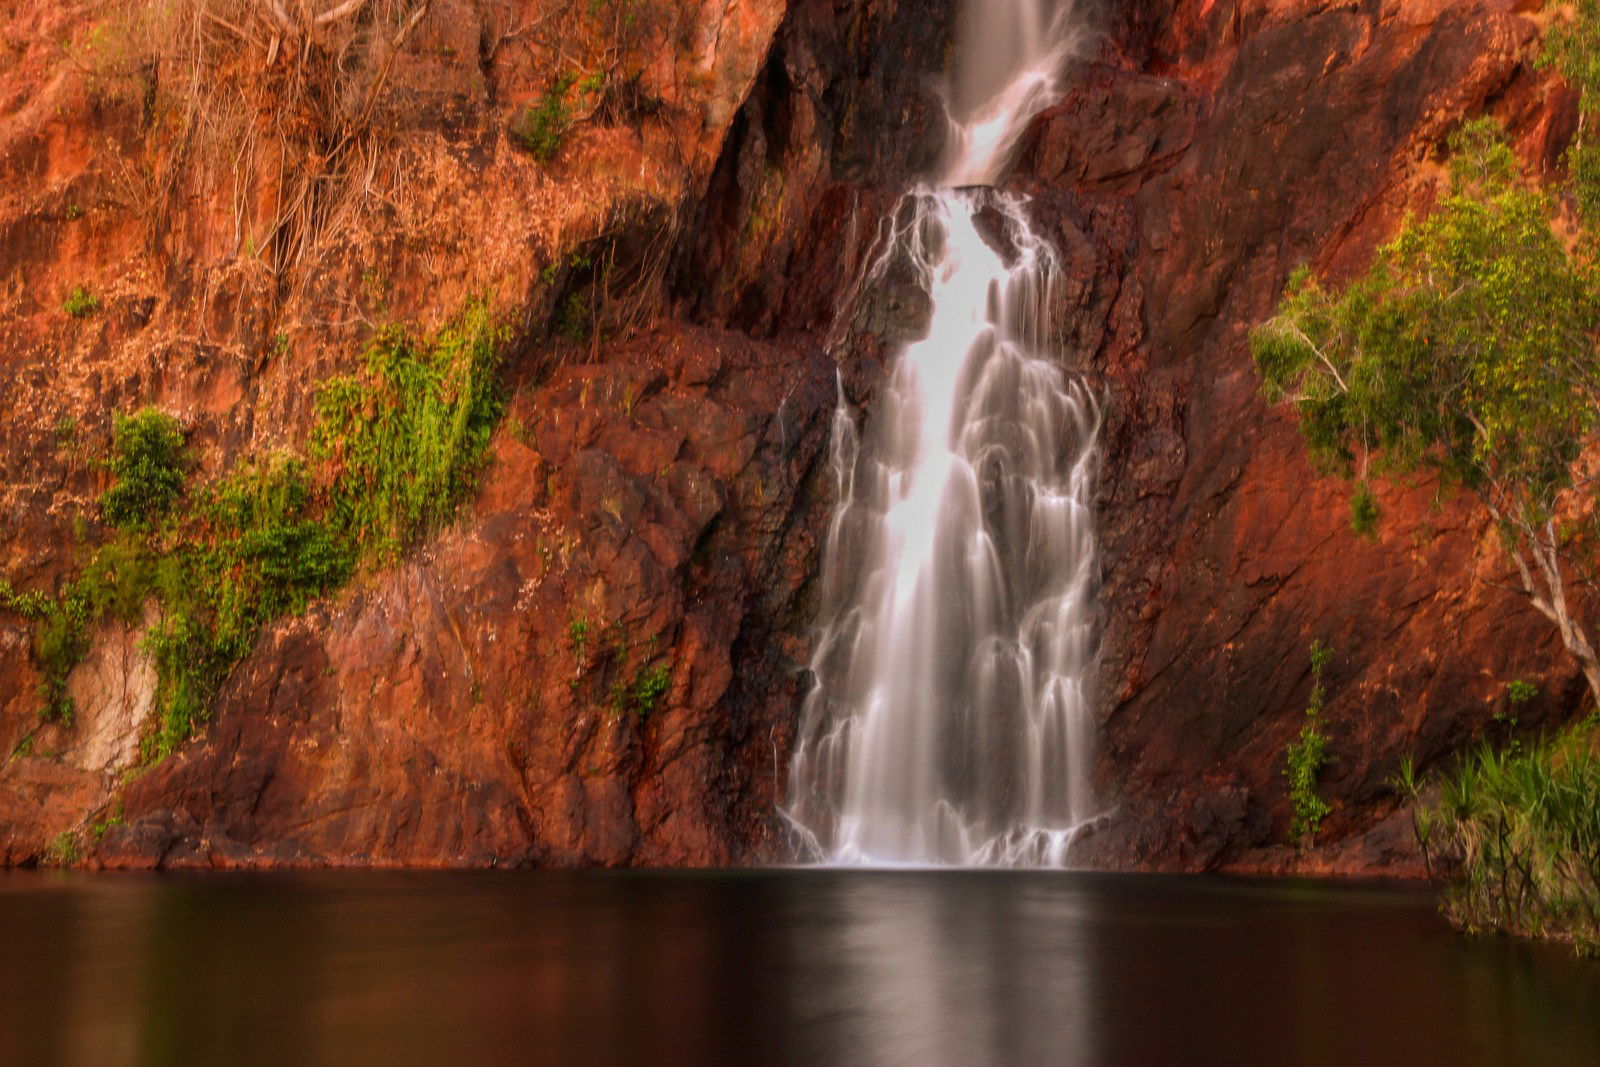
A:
{"x":1213,"y":149}
{"x":601,"y":660}
{"x":476,"y":706}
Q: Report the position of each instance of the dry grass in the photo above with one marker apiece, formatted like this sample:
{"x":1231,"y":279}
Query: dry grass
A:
{"x":278,"y":113}
{"x":246,"y":96}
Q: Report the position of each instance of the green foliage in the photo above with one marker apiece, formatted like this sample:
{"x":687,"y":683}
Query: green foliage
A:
{"x":642,"y":694}
{"x":575,"y":262}
{"x":407,"y":438}
{"x":112,"y":818}
{"x":80,"y":303}
{"x":28,"y":605}
{"x":542,"y":128}
{"x":1520,"y":692}
{"x":250,"y":550}
{"x":62,"y":851}
{"x":66,"y":433}
{"x":579,"y":631}
{"x":1583,"y":165}
{"x":1468,"y":347}
{"x":60,"y":640}
{"x":1307,"y":756}
{"x":148,"y":464}
{"x":1572,"y":46}
{"x":575,"y":319}
{"x":1514,"y":837}
{"x":399,"y":446}
{"x":649,"y":687}
{"x":1364,"y":510}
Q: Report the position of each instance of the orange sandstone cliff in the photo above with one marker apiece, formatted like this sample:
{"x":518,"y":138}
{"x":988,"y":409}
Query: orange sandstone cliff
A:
{"x":664,"y":483}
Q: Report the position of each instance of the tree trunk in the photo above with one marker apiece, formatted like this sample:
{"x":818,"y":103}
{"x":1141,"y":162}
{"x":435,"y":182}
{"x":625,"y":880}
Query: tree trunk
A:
{"x":1547,"y":590}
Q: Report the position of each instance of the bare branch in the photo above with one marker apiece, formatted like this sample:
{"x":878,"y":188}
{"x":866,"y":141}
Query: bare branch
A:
{"x":342,"y":11}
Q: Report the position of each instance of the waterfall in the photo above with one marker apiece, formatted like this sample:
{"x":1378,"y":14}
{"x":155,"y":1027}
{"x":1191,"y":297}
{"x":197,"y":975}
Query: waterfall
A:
{"x":951,"y":720}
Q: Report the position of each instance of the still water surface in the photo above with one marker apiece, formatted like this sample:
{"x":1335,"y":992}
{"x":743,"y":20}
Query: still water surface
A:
{"x":766,"y":967}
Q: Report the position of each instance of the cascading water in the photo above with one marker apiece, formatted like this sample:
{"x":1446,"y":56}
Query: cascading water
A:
{"x":951,"y":721}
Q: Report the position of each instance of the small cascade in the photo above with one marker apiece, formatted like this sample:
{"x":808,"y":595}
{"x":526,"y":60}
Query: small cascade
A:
{"x":951,"y":718}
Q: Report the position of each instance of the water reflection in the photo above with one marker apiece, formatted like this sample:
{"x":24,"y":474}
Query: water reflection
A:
{"x":813,"y":966}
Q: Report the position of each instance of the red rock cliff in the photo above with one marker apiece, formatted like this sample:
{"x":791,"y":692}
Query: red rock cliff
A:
{"x":666,"y":490}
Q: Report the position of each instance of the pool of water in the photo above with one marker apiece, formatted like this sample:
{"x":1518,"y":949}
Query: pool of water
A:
{"x":766,"y":967}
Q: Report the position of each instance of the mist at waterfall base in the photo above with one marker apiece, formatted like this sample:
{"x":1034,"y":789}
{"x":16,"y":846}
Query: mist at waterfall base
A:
{"x":950,"y":721}
{"x":828,"y":966}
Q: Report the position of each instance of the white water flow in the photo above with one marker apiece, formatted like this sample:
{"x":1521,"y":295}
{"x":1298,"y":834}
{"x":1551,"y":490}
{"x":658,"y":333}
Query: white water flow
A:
{"x":950,"y":722}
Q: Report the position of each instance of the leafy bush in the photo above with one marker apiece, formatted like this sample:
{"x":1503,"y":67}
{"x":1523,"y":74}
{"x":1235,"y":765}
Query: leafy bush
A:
{"x":579,"y":630}
{"x":406,"y":439}
{"x":576,"y":318}
{"x":1461,"y":349}
{"x":644,"y":693}
{"x":1514,"y":837}
{"x":1572,"y":46}
{"x":80,"y":303}
{"x":147,"y":462}
{"x":543,"y":128}
{"x":1306,"y":758}
{"x":250,"y":551}
{"x":650,"y":688}
{"x":400,"y":447}
{"x":60,"y":640}
{"x":62,"y":851}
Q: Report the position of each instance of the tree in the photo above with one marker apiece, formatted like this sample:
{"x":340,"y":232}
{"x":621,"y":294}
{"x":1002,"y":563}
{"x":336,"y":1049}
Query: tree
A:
{"x":1468,"y":349}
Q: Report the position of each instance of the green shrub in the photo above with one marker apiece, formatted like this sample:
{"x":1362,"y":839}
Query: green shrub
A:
{"x":112,"y":818}
{"x":543,"y":128}
{"x":251,"y":551}
{"x":60,"y":639}
{"x":407,"y":438}
{"x":148,"y":464}
{"x":66,"y":433}
{"x":578,"y":630}
{"x":400,"y":446}
{"x":575,"y":321}
{"x":80,"y":303}
{"x":1520,"y":692}
{"x":62,"y":851}
{"x":642,"y":694}
{"x":1572,"y":46}
{"x":1306,"y":758}
{"x":1513,"y":839}
{"x":649,"y":687}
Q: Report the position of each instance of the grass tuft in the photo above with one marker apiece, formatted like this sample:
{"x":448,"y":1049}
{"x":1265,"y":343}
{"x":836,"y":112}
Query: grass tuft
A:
{"x":1513,"y":838}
